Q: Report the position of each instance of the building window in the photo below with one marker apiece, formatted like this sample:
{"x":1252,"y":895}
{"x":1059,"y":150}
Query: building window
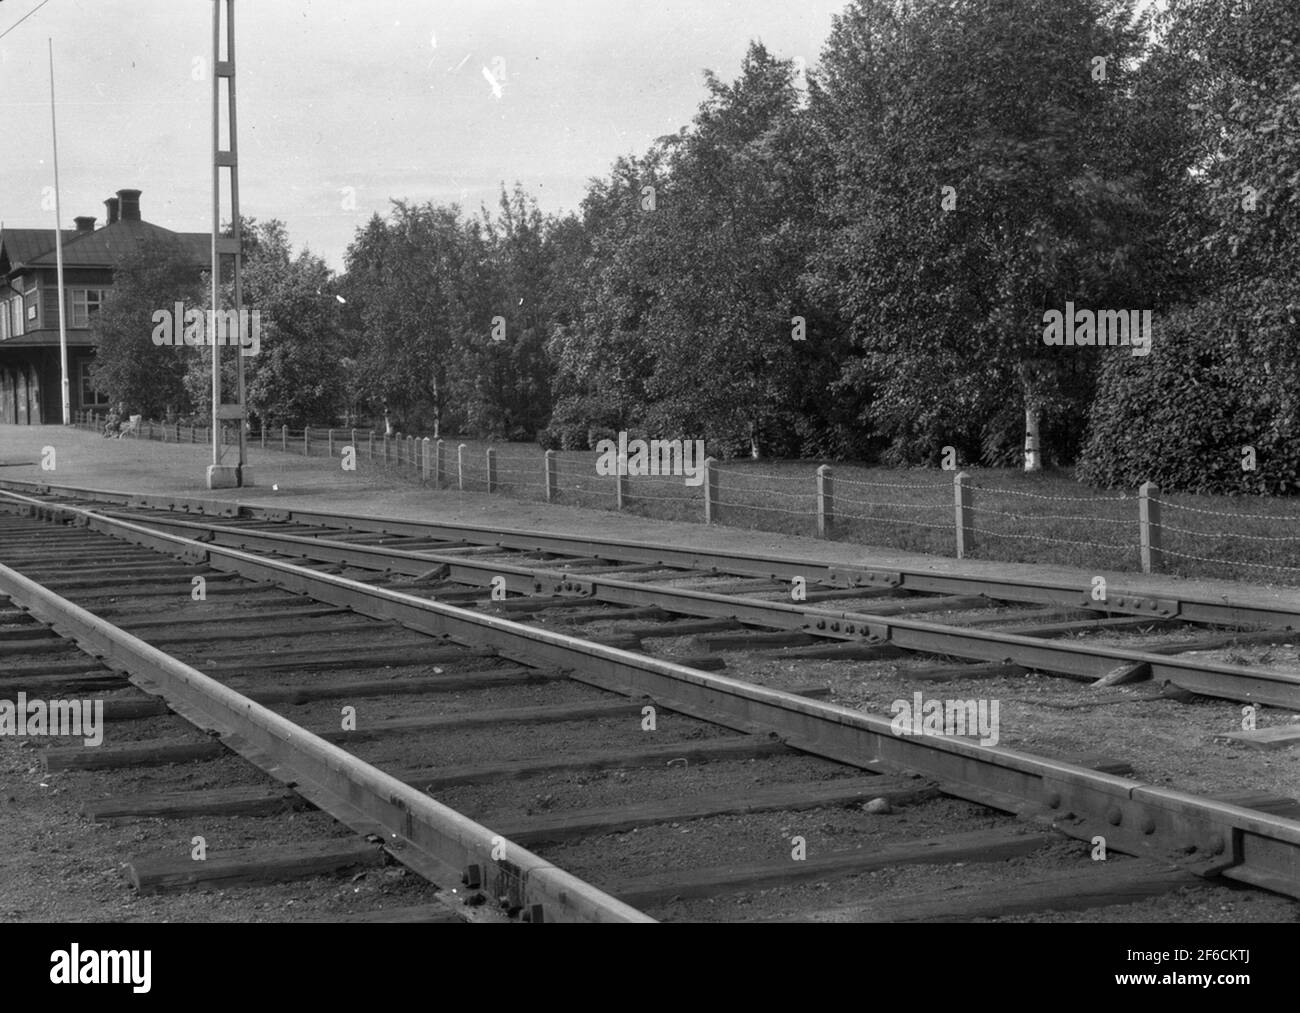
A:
{"x":15,"y":316}
{"x":90,"y":398}
{"x":85,"y":304}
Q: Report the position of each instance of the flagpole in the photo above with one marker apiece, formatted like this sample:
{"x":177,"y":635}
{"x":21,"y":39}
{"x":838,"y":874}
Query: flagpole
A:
{"x":58,"y":247}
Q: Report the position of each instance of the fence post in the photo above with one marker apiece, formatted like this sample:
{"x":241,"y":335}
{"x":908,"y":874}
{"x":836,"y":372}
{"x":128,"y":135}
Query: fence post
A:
{"x":963,"y":498}
{"x":284,"y":438}
{"x":370,"y":445}
{"x":460,"y":467}
{"x":711,"y":501}
{"x":329,"y":438}
{"x":356,"y":450}
{"x":491,"y":470}
{"x":424,"y":459}
{"x":306,"y":441}
{"x":622,"y":493}
{"x":1149,"y":526}
{"x":410,"y":451}
{"x":552,"y":476}
{"x":439,"y":463}
{"x":825,"y":502}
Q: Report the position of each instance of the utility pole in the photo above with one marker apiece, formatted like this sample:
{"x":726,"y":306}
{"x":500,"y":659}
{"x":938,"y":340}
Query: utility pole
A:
{"x":58,"y":248}
{"x":224,"y":476}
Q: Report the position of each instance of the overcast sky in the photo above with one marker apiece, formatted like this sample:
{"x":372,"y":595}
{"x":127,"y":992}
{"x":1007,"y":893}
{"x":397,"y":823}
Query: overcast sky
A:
{"x":387,"y":97}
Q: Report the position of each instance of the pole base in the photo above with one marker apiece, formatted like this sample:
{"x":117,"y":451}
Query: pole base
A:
{"x":228,"y":476}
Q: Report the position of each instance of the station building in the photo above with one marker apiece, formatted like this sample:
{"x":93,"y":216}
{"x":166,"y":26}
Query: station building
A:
{"x":30,"y":376}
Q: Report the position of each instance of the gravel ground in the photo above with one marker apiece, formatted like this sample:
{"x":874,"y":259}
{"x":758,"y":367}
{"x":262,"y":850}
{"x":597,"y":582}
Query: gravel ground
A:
{"x":56,"y":865}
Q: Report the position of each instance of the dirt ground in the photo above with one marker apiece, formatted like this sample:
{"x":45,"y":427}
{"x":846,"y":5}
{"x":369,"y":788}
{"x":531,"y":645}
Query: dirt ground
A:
{"x":315,"y":483}
{"x":57,"y":866}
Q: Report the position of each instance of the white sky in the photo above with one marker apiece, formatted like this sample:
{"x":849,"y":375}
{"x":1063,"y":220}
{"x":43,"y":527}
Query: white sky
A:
{"x":385,"y":96}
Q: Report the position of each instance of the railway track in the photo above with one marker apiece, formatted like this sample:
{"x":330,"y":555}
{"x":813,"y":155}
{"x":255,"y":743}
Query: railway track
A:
{"x":947,"y":627}
{"x":578,"y":754}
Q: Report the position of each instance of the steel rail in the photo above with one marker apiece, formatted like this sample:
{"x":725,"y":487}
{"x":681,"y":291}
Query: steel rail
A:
{"x":1064,"y":657}
{"x":1194,"y":607}
{"x":1211,"y":838}
{"x":419,"y":831}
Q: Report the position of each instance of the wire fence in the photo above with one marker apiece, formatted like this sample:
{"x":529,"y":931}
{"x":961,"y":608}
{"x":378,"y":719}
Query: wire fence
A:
{"x":1033,"y":519}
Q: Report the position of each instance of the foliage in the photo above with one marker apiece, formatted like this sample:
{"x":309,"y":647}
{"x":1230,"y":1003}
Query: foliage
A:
{"x":1181,"y":416}
{"x":297,"y":378}
{"x":129,"y":367}
{"x":998,"y":102}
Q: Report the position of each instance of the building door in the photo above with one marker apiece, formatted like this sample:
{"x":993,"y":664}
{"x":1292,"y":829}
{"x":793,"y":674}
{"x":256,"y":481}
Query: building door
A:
{"x":35,"y":414}
{"x":8,"y":398}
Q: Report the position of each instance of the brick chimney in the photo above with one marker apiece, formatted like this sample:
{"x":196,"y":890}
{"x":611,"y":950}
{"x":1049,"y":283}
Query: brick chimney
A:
{"x":85,"y":223}
{"x":130,"y":205}
{"x":111,"y":204}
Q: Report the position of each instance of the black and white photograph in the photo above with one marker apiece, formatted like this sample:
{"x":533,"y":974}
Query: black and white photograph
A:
{"x":710,"y":462}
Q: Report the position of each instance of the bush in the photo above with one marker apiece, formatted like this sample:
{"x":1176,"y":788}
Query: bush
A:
{"x":1181,"y":416}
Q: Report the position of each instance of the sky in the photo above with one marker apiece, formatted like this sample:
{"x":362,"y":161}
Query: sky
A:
{"x":344,"y":104}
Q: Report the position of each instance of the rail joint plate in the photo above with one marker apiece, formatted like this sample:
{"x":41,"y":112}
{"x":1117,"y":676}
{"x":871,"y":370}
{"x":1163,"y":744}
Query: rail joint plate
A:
{"x":842,"y":577}
{"x":849,"y":629}
{"x":1136,"y":604}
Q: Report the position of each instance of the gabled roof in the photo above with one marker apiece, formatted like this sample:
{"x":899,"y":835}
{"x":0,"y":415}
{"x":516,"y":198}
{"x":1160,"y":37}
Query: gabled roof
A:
{"x":105,"y":247}
{"x":19,"y":246}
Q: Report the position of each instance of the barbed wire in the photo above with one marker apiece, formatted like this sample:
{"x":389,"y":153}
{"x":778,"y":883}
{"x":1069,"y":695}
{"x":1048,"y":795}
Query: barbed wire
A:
{"x":665,"y":499}
{"x":1049,"y":517}
{"x":1232,"y":534}
{"x":1049,"y":538}
{"x":891,"y":520}
{"x":929,"y":486}
{"x":1061,"y":499}
{"x":765,"y":476}
{"x":1230,"y":562}
{"x":803,"y":497}
{"x":772,"y":509}
{"x":1224,"y":513}
{"x":895,"y":506}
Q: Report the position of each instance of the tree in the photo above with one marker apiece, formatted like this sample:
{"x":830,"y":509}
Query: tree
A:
{"x":129,"y":367}
{"x":730,"y":322}
{"x":406,"y":276}
{"x":693,"y":315}
{"x":1224,"y":377}
{"x":508,"y":373}
{"x":597,"y":346}
{"x":977,"y":179}
{"x":297,"y":378}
